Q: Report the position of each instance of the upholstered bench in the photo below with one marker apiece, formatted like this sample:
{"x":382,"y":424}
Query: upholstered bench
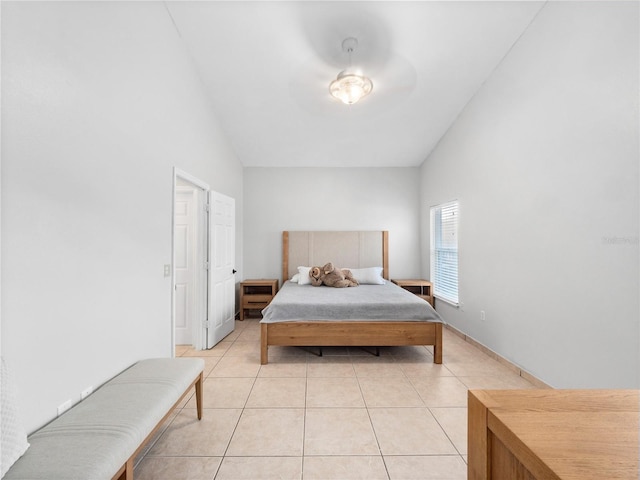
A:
{"x":100,"y":437}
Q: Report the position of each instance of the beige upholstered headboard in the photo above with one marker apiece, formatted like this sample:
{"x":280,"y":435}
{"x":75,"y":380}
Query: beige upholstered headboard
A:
{"x":347,"y":249}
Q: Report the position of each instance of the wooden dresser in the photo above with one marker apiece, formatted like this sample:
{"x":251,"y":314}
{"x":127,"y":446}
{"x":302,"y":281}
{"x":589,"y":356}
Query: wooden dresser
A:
{"x":553,"y":434}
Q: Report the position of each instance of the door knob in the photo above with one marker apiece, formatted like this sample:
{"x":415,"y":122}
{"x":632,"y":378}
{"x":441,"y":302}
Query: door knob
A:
{"x":233,"y":271}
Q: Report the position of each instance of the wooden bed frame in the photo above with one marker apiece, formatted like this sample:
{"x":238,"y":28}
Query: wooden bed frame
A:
{"x":348,"y":333}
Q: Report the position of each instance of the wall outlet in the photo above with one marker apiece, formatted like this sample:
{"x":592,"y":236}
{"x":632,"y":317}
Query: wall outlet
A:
{"x":86,"y":392}
{"x":167,"y":270}
{"x":482,"y":316}
{"x":64,"y":407}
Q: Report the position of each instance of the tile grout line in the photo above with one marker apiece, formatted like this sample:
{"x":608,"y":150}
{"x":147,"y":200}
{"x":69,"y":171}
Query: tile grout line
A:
{"x":224,"y":454}
{"x":390,"y":359}
{"x":445,"y":431}
{"x":373,"y":429}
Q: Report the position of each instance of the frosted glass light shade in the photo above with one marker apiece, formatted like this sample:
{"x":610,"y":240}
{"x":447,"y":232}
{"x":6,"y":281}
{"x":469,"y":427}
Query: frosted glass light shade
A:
{"x":350,"y":87}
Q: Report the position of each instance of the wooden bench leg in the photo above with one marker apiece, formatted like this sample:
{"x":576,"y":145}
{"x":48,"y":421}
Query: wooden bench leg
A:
{"x":129,"y":470}
{"x":199,"y":396}
{"x":126,"y":472}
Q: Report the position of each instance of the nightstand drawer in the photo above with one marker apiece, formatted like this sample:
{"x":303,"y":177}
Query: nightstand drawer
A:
{"x":255,"y":301}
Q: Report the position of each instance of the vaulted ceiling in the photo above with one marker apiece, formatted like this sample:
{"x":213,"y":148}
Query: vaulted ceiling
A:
{"x":266,"y":67}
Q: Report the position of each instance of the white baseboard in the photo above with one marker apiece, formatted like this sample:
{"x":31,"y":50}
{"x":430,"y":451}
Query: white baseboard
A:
{"x":510,"y":365}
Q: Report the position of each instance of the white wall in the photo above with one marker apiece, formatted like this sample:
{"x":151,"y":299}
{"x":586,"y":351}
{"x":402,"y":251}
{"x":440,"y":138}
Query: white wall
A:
{"x":278,"y":199}
{"x":99,"y":103}
{"x":544,"y":162}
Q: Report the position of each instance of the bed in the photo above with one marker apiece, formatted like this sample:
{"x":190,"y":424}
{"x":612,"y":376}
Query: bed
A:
{"x":353,"y":322}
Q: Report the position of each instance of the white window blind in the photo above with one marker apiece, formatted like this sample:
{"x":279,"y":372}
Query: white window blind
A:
{"x":444,"y":251}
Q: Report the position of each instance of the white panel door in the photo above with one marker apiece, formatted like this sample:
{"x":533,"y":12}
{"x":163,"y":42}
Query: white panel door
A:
{"x":185,"y":258}
{"x":222,"y":224}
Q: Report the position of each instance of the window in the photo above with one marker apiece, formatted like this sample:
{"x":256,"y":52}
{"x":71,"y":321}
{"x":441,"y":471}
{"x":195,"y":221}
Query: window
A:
{"x":444,"y":251}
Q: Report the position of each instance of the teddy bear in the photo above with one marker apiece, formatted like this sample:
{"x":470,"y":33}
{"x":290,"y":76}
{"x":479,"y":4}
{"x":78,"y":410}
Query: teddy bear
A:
{"x":332,"y":276}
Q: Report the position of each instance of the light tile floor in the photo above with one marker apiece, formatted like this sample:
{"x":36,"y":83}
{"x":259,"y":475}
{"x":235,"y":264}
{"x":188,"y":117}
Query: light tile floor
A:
{"x":345,"y":415}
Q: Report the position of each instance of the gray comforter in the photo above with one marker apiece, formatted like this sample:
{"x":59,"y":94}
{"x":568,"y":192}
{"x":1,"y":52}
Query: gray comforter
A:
{"x":365,"y":302}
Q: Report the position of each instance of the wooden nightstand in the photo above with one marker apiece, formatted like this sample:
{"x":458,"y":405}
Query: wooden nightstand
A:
{"x":256,"y":294}
{"x":422,"y":288}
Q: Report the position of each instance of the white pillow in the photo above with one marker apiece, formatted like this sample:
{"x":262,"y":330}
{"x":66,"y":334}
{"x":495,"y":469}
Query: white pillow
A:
{"x":14,"y":437}
{"x":304,"y":278}
{"x":368,"y":276}
{"x":295,"y":278}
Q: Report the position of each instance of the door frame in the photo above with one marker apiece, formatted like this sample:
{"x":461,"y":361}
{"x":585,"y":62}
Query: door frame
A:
{"x":199,"y":338}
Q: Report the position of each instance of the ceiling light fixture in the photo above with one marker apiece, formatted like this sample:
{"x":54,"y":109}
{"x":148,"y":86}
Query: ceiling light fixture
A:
{"x":350,"y":86}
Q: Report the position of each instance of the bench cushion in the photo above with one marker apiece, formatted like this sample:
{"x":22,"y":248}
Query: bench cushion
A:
{"x":96,"y":437}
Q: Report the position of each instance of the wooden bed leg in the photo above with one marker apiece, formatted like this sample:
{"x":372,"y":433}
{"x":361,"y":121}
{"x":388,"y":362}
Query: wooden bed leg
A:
{"x":199,"y":396}
{"x":437,"y":347}
{"x":264,"y":346}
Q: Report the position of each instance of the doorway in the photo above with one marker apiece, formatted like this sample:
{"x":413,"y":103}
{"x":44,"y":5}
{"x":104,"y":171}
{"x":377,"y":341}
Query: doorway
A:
{"x":203,"y":274}
{"x":190,"y":240}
